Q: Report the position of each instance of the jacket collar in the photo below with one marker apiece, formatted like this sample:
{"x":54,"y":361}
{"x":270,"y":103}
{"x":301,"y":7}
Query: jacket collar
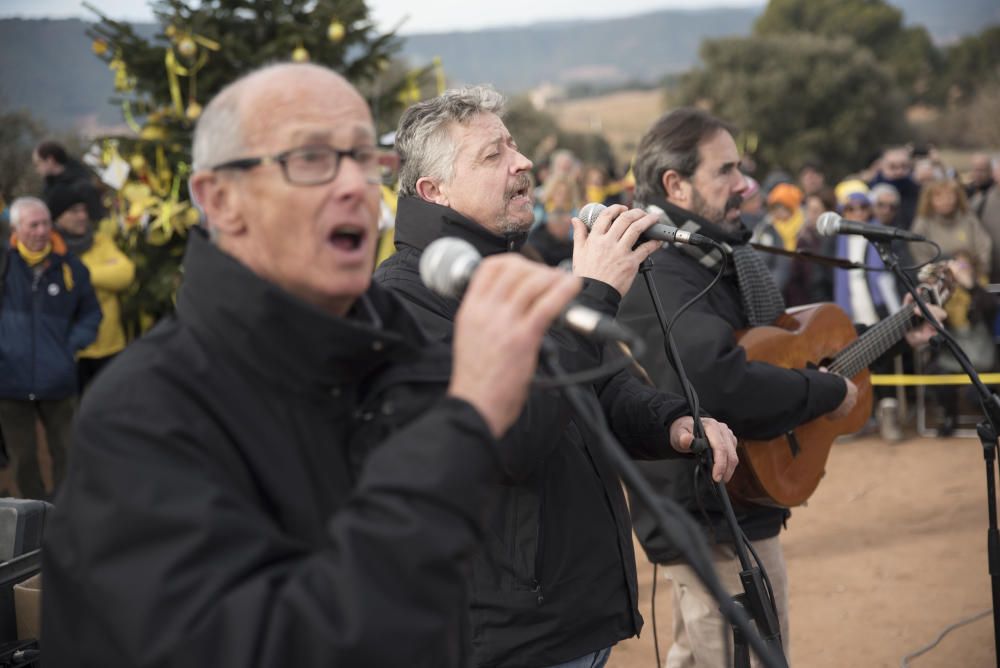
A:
{"x":290,"y":341}
{"x":419,"y":222}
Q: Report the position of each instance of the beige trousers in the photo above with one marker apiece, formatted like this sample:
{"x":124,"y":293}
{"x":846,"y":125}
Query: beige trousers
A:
{"x":701,"y":635}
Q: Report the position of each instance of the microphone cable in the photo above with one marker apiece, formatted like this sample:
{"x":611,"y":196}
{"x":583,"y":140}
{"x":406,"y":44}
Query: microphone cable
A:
{"x":700,"y":445}
{"x":905,"y":661}
{"x":817,"y":259}
{"x":676,"y":522}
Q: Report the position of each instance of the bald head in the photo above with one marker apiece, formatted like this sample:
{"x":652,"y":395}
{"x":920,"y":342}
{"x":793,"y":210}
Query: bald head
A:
{"x":300,"y":208}
{"x":257,"y":103}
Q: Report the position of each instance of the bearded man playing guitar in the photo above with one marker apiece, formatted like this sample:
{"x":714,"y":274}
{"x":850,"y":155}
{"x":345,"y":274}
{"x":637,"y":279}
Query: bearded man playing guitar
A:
{"x":687,"y":168}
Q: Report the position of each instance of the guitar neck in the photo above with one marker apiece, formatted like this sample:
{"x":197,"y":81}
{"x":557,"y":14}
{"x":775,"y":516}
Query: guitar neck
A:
{"x":873,"y":343}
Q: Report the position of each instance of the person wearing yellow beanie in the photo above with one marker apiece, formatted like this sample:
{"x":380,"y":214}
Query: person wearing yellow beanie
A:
{"x":784,"y":204}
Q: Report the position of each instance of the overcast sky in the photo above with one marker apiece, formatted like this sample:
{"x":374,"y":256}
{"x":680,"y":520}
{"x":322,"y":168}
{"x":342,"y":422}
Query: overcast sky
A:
{"x":422,"y":16}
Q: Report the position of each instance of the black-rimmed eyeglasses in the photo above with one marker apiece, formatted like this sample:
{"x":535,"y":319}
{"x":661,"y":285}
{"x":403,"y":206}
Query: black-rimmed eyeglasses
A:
{"x":312,"y":165}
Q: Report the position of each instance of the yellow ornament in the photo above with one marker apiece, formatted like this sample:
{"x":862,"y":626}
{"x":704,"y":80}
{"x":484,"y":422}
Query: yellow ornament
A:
{"x":153,"y":133}
{"x":170,"y":31}
{"x":193,"y":111}
{"x":336,"y":31}
{"x":187,"y":47}
{"x":300,"y":55}
{"x":191,"y":217}
{"x":138,"y":162}
{"x":99,"y":47}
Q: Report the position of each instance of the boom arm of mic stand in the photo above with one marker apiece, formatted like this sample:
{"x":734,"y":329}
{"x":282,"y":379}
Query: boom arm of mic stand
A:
{"x":753,"y":597}
{"x":677,"y":525}
{"x":987,"y":431}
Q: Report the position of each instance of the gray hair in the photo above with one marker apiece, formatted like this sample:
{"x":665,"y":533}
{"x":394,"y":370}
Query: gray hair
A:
{"x":881,"y":189}
{"x":21,"y":203}
{"x":218,"y":136}
{"x":672,"y":144}
{"x":422,"y":140}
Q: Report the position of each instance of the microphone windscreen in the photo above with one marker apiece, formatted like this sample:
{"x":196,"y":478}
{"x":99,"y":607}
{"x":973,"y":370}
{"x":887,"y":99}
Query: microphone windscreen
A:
{"x":828,"y":224}
{"x":589,"y":213}
{"x":446,"y":265}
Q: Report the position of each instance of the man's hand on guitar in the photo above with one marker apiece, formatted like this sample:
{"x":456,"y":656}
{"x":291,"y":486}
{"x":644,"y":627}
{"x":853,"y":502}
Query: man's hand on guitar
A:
{"x":850,"y":398}
{"x":922,"y":333}
{"x":720,"y":438}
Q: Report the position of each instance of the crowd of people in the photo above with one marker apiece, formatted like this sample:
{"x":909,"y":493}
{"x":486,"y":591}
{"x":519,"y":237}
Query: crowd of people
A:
{"x":320,"y":462}
{"x":905,"y":187}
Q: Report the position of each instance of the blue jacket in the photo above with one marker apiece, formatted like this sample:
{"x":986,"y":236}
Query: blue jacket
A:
{"x":42,"y":326}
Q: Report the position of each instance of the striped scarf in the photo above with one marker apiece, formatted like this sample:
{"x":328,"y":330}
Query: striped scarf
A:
{"x":762,"y":301}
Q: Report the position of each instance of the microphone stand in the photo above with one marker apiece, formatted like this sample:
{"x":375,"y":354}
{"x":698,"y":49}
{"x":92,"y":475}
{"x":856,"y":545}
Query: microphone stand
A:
{"x":676,"y":523}
{"x":987,"y":429}
{"x":754,"y":599}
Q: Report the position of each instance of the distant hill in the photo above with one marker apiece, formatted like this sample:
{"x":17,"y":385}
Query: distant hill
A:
{"x":638,"y":48}
{"x":643,"y":48}
{"x":46,"y":65}
{"x":948,"y":21}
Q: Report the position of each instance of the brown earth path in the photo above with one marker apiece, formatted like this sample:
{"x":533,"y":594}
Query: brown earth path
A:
{"x":889,"y":550}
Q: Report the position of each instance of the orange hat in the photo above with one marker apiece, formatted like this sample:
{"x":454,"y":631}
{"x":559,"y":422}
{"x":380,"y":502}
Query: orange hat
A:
{"x":785,"y":194}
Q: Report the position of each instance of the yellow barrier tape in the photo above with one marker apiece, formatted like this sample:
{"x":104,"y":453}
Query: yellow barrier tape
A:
{"x":942,"y":379}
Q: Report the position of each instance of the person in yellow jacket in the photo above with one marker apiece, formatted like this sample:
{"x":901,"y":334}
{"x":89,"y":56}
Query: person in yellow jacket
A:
{"x":111,"y":273}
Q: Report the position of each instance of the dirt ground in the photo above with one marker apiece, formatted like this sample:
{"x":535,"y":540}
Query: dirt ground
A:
{"x":889,"y":551}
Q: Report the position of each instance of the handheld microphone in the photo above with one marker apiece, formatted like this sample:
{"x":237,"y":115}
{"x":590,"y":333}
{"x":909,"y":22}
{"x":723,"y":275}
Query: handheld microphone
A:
{"x":659,"y":232}
{"x":831,"y":224}
{"x":447,"y":265}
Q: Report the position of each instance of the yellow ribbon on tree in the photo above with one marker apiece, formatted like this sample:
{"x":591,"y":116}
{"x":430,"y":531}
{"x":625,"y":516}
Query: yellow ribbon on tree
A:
{"x":410,"y":93}
{"x":173,"y":72}
{"x":205,"y":42}
{"x":117,"y":65}
{"x":172,"y":214}
{"x":129,"y":118}
{"x":439,"y":75}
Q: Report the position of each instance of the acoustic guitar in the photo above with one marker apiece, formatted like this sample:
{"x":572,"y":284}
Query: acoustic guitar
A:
{"x":786,"y":470}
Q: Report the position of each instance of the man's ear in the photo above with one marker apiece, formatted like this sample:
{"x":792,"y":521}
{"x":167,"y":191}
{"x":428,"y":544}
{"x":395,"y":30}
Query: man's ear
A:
{"x":431,"y":191}
{"x":676,"y":188}
{"x":216,"y":196}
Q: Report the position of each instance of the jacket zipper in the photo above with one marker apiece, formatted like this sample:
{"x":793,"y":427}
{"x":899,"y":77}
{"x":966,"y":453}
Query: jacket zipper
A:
{"x":35,"y":313}
{"x":539,"y":538}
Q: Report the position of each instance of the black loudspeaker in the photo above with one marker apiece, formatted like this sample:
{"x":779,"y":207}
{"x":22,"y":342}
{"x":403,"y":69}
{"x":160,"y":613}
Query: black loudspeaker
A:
{"x":22,"y":522}
{"x":21,"y":525}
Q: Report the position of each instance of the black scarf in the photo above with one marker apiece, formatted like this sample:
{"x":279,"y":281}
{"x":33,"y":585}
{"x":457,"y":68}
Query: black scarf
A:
{"x":78,"y":244}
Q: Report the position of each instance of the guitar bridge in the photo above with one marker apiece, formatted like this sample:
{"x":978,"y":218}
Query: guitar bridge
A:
{"x":793,"y":443}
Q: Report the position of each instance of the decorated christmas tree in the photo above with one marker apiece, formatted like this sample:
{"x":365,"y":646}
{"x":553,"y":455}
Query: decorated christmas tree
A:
{"x":161,"y":82}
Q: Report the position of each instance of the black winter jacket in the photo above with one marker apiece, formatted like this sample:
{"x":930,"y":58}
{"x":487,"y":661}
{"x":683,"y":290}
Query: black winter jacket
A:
{"x":755,"y":399}
{"x":558,"y":579}
{"x":211,"y":515}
